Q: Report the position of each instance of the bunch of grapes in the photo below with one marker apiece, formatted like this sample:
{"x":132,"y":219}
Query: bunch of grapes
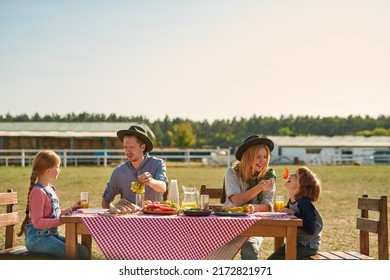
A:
{"x":138,"y":187}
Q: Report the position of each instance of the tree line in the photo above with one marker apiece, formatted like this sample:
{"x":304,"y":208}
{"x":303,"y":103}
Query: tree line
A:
{"x":178,"y":132}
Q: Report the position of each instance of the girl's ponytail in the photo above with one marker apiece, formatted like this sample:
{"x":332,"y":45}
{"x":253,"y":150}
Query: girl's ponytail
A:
{"x":33,"y":179}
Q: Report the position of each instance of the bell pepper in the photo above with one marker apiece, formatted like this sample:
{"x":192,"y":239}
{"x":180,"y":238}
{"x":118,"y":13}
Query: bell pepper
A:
{"x":285,"y":175}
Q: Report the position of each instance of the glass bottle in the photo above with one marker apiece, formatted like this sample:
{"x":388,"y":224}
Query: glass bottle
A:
{"x":173,"y":192}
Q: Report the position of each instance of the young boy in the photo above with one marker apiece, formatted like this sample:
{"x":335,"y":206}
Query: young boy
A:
{"x":304,"y":188}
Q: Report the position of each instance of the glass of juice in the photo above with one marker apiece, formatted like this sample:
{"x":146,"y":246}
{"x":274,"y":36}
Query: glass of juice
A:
{"x":84,"y":198}
{"x":279,"y":203}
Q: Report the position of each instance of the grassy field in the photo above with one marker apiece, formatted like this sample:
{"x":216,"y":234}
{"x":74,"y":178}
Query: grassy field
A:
{"x":342,"y":185}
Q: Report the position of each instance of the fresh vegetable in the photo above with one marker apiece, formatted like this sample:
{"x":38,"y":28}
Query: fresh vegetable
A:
{"x":171,"y":204}
{"x":157,"y":206}
{"x":238,"y":209}
{"x":166,"y":208}
{"x":193,"y":210}
{"x":285,"y":175}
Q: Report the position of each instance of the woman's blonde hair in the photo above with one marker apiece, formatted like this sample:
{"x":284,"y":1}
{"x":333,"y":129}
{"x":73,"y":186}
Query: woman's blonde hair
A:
{"x":248,"y":160}
{"x":309,"y":184}
{"x":43,"y":161}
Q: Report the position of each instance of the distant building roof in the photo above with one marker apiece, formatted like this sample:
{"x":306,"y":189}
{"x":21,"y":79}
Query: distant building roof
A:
{"x":332,"y":141}
{"x":66,"y":129}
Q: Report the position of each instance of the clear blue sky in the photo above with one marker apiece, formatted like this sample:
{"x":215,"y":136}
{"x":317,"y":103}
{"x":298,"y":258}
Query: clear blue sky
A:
{"x":196,"y":59}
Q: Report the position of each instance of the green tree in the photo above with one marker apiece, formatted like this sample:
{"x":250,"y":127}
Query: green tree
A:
{"x":183,"y":135}
{"x":285,"y":131}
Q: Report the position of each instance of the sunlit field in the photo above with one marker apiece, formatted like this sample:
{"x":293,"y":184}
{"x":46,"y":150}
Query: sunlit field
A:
{"x":342,"y":185}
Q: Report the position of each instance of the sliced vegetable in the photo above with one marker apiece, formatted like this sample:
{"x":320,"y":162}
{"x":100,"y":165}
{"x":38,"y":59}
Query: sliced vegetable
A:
{"x":166,"y":208}
{"x":285,"y":175}
{"x":236,"y":209}
{"x":193,"y":210}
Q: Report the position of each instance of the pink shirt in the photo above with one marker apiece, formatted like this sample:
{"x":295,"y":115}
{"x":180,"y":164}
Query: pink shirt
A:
{"x":41,"y":210}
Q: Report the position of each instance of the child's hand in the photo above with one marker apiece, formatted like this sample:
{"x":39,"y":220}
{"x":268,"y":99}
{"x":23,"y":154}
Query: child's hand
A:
{"x":67,"y":212}
{"x":287,"y":211}
{"x":76,"y":205}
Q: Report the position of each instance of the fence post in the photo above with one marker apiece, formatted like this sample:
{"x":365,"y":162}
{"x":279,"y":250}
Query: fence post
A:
{"x":23,"y":158}
{"x":65,"y":158}
{"x":187,"y":158}
{"x":228,"y":158}
{"x":105,"y":158}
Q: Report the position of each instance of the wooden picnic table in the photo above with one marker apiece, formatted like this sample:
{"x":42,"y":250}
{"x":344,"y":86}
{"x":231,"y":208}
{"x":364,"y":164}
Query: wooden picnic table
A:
{"x":168,"y":230}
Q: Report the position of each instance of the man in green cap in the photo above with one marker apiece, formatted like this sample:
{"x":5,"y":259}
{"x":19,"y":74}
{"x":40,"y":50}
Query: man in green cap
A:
{"x":139,"y":167}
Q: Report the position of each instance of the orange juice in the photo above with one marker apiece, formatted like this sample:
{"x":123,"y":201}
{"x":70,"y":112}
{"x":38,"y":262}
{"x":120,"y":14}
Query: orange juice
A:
{"x":84,"y":199}
{"x":188,"y":205}
{"x":279,"y":205}
{"x":84,"y":204}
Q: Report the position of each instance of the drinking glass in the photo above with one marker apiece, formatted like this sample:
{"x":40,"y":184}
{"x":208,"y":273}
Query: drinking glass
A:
{"x":204,"y":201}
{"x":139,"y":200}
{"x":84,"y":199}
{"x":279,"y":203}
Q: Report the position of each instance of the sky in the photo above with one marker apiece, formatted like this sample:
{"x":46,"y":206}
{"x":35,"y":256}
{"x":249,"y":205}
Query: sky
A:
{"x":195,"y":59}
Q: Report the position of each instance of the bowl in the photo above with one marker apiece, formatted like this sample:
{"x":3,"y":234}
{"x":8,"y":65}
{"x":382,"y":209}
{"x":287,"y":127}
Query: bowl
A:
{"x":197,"y":212}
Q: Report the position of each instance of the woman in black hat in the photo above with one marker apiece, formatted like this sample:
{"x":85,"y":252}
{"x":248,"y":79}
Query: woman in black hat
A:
{"x":251,"y":181}
{"x":139,"y":167}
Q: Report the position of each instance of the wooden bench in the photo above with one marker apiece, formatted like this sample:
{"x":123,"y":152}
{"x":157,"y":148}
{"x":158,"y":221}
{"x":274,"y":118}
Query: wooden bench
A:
{"x":8,"y":220}
{"x":365,"y":225}
{"x":212,"y":192}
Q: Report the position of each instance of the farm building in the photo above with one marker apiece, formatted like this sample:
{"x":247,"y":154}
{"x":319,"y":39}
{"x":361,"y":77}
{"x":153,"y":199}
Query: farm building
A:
{"x":331,"y":150}
{"x":96,"y":142}
{"x":78,"y":143}
{"x":62,"y":135}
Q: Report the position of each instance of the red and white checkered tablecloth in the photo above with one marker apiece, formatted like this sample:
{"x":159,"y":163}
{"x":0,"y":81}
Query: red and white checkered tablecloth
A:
{"x":167,"y":237}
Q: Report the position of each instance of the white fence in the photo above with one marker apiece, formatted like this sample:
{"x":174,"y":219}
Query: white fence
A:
{"x":214,"y":157}
{"x":24,"y":157}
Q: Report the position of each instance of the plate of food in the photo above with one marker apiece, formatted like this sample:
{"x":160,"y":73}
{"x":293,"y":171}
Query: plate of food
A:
{"x":159,"y":212}
{"x":196,"y":212}
{"x":229,"y":213}
{"x":159,"y":208}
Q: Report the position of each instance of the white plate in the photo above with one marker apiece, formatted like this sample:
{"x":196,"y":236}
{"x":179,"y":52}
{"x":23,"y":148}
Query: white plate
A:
{"x":269,"y":214}
{"x":91,"y":210}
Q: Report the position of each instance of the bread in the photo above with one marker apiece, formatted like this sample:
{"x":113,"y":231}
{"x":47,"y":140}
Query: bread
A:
{"x":123,"y":207}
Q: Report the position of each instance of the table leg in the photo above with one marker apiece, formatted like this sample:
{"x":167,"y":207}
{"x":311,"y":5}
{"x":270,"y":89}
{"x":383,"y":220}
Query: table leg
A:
{"x":86,"y":240}
{"x":291,"y":243}
{"x":70,"y":241}
{"x":279,"y":241}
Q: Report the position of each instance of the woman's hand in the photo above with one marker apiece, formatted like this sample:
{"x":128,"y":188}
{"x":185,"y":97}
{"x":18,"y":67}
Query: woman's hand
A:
{"x":266,"y":185}
{"x":251,"y":208}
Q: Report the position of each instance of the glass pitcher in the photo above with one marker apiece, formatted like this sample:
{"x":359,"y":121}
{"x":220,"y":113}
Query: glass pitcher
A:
{"x":190,"y":197}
